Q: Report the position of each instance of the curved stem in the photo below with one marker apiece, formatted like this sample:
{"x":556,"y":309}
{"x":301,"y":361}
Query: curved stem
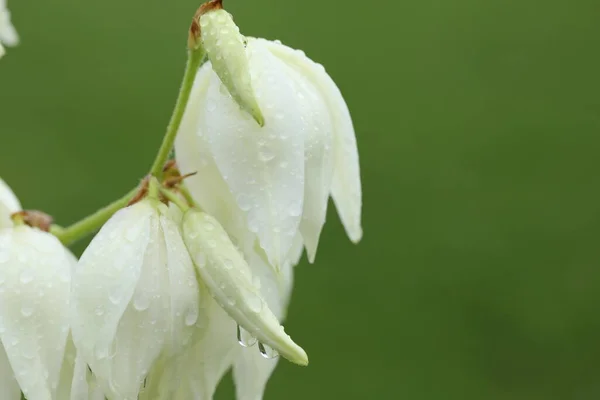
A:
{"x":195,"y":60}
{"x":92,"y":222}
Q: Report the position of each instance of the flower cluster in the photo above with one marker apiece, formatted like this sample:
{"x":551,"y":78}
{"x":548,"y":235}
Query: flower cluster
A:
{"x":192,"y":275}
{"x":8,"y":34}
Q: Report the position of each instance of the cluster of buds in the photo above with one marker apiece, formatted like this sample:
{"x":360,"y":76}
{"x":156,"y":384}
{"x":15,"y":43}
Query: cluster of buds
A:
{"x":194,"y":276}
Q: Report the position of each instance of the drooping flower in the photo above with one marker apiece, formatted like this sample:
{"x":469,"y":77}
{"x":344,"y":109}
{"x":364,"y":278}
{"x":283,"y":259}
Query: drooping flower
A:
{"x":35,"y":274}
{"x":8,"y":34}
{"x":135,"y":298}
{"x":277,"y":178}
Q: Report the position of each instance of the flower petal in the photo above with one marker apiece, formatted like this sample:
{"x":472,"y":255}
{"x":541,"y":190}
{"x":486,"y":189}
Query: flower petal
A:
{"x":184,"y":305}
{"x":8,"y":203}
{"x":8,"y":34}
{"x":105,"y":282}
{"x":263,"y":167}
{"x":34,"y":307}
{"x":251,"y":370}
{"x":346,"y":186}
{"x":193,"y":156}
{"x":9,"y":388}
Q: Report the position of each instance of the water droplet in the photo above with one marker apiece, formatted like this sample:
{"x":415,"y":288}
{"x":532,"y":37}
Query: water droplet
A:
{"x":26,"y":311}
{"x":212,"y":243}
{"x":267,"y":352}
{"x":280,"y":115}
{"x":228,"y":264}
{"x":254,"y":302}
{"x":141,"y":302}
{"x":245,"y":338}
{"x":115,"y":296}
{"x":256,"y":282}
{"x":201,"y":260}
{"x":101,"y":353}
{"x":266,"y":155}
{"x":99,"y":311}
{"x":191,"y":317}
{"x":208,"y":226}
{"x":26,"y":276}
{"x":244,"y":202}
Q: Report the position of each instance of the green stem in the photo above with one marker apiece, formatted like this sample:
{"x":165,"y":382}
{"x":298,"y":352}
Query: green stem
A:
{"x":91,"y":223}
{"x":195,"y":59}
{"x":173,"y":198}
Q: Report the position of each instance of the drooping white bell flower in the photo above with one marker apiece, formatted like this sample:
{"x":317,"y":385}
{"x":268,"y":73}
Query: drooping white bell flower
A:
{"x":35,"y":273}
{"x":135,"y":298}
{"x":8,"y":34}
{"x":276,"y":178}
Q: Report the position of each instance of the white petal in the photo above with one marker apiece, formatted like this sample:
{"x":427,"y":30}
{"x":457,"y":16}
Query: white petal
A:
{"x":34,"y":307}
{"x":193,"y":156}
{"x":251,"y":370}
{"x":210,"y":358}
{"x":263,"y":167}
{"x":116,"y":340}
{"x":8,"y":204}
{"x":9,"y":388}
{"x":346,"y":186}
{"x":229,"y":279}
{"x":8,"y":34}
{"x":318,"y":161}
{"x":183,"y":289}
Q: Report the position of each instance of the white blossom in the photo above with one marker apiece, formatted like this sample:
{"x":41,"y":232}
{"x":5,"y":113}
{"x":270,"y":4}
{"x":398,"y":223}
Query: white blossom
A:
{"x":135,"y":298}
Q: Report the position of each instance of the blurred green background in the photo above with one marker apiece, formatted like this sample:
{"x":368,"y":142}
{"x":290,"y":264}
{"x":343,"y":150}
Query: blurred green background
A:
{"x":478,"y":124}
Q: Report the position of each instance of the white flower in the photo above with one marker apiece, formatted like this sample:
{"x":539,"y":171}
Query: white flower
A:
{"x":35,"y":273}
{"x":135,"y":298}
{"x":275,"y":180}
{"x":8,"y":34}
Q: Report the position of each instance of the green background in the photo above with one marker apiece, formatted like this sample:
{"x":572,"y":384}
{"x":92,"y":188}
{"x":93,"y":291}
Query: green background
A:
{"x":478,"y":124}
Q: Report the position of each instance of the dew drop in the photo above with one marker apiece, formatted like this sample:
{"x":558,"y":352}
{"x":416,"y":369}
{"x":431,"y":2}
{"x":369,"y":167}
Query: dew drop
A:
{"x":228,"y":264}
{"x":267,"y":352}
{"x":244,"y":202}
{"x":99,"y":311}
{"x":212,"y":243}
{"x":141,"y":302}
{"x":115,"y":296}
{"x":26,"y":276}
{"x":208,"y":226}
{"x":191,"y":317}
{"x":26,"y":311}
{"x":245,"y":338}
{"x":254,"y":302}
{"x":201,"y":260}
{"x":266,"y":155}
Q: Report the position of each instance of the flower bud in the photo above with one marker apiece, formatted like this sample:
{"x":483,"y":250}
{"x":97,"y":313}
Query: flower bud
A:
{"x":229,"y":280}
{"x":226,"y":49}
{"x":135,"y":297}
{"x":35,"y":275}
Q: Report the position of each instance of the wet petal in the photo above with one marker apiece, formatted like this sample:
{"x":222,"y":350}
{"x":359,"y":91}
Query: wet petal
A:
{"x":346,"y":185}
{"x":9,"y":388}
{"x":263,"y":167}
{"x":35,"y":275}
{"x":105,"y":282}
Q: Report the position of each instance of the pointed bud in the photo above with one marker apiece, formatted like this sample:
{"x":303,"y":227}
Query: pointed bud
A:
{"x":226,"y":49}
{"x":229,"y":280}
{"x":135,"y":297}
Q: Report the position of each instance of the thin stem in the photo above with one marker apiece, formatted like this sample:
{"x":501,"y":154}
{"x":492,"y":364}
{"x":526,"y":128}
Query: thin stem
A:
{"x":195,"y":59}
{"x":185,"y":192}
{"x":173,"y":198}
{"x":92,"y":222}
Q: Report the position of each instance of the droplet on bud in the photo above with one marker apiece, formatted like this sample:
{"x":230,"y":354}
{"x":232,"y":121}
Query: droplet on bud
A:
{"x":245,"y":338}
{"x":267,"y":352}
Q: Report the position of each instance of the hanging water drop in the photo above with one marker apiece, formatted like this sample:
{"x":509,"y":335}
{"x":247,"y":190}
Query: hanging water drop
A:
{"x":267,"y":352}
{"x":245,"y":338}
